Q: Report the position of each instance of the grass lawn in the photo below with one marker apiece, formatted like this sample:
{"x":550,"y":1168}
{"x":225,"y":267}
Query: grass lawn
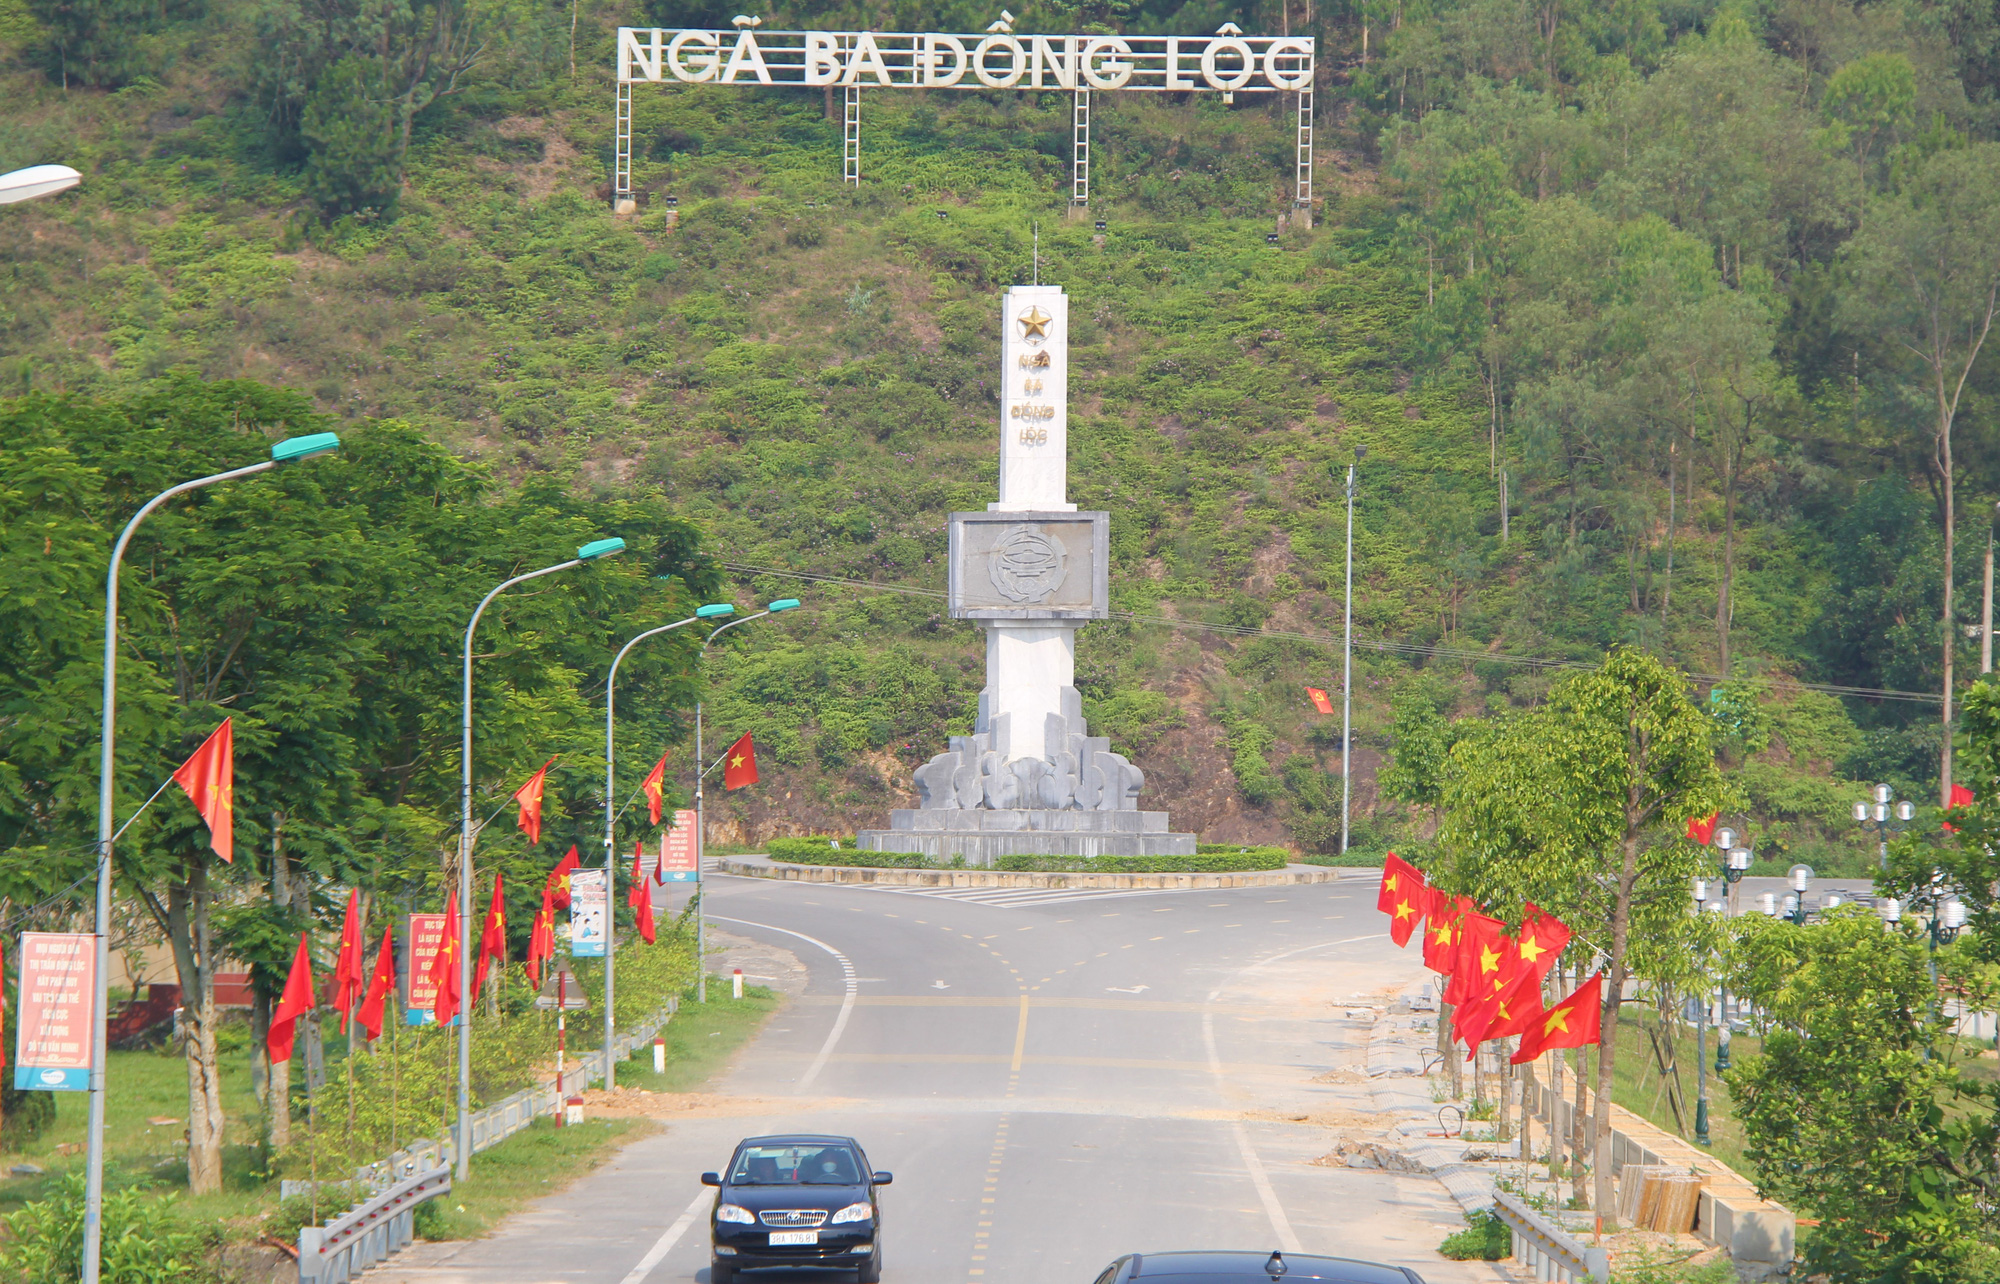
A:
{"x":1638,"y":1086}
{"x":147,"y":1085}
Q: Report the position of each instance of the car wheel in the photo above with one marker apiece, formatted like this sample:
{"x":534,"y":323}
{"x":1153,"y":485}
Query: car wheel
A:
{"x":721,"y":1273}
{"x":872,"y":1272}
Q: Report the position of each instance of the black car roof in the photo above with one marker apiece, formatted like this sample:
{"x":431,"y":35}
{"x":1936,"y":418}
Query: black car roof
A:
{"x":797,"y":1139}
{"x":1300,"y":1266}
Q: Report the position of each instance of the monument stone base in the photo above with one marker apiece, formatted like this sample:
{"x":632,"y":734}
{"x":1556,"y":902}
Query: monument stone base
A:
{"x":981,"y":834}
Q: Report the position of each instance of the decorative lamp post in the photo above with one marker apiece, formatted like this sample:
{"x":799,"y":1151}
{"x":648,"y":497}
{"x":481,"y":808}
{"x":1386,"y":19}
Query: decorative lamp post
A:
{"x":1801,"y":876}
{"x":289,"y":451}
{"x":1701,"y":904}
{"x":700,"y":832}
{"x":1885,"y":816}
{"x":588,"y":553}
{"x":709,"y":612}
{"x":1770,"y":904}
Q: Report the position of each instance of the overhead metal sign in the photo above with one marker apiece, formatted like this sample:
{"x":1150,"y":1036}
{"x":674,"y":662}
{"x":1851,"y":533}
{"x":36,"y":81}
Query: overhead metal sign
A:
{"x":1231,"y":64}
{"x":1228,"y":63}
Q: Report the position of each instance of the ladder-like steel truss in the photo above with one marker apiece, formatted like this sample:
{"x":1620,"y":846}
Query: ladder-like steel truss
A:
{"x":1079,"y":168}
{"x":850,"y":138}
{"x":1303,"y":196}
{"x":621,"y":180}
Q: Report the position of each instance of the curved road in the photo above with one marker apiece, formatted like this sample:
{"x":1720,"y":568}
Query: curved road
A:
{"x":1055,"y":1079}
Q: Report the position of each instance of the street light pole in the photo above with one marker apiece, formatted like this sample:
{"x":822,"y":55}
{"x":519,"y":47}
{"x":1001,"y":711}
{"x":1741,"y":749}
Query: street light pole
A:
{"x":588,"y":553}
{"x":611,"y":817}
{"x":700,"y":831}
{"x":1347,"y":664}
{"x":1885,"y":816}
{"x":288,"y":451}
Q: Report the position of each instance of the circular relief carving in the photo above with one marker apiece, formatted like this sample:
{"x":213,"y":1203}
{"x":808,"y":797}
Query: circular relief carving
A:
{"x":1026,"y":566}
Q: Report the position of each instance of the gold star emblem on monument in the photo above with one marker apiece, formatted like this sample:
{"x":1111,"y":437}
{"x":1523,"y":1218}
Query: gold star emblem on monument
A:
{"x":1035,"y":323}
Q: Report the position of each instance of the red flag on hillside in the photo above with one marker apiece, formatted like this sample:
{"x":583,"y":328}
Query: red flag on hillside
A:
{"x":384,"y":980}
{"x":541,"y":939}
{"x":530,"y":798}
{"x":739,"y":765}
{"x":444,"y":967}
{"x":295,"y":1002}
{"x":1318,"y":697}
{"x":654,"y":786}
{"x":557,"y":888}
{"x":347,"y":965}
{"x":1576,"y":1022}
{"x":1702,"y":830}
{"x":209,"y":777}
{"x":1441,"y":931}
{"x":493,"y":939}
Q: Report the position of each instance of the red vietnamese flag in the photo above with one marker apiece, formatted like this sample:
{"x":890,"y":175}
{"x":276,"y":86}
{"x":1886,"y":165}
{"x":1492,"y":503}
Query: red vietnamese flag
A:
{"x":740,"y":764}
{"x":638,"y":874}
{"x":1576,"y":1022}
{"x":1518,"y":977}
{"x":541,"y":939}
{"x":295,"y":1002}
{"x":654,"y":786}
{"x":384,"y":980}
{"x":444,"y":968}
{"x":1518,"y":1010}
{"x":1441,"y":931}
{"x":530,"y":798}
{"x":209,"y":777}
{"x":1318,"y":697}
{"x":1402,"y":897}
{"x":1960,"y":797}
{"x":493,"y":938}
{"x":557,"y":888}
{"x":1477,"y":959}
{"x":642,"y":909}
{"x":1702,"y":831}
{"x":347,"y":965}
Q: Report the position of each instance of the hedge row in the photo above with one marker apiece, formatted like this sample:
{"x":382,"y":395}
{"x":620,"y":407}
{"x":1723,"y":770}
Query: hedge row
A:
{"x":1233,"y":862}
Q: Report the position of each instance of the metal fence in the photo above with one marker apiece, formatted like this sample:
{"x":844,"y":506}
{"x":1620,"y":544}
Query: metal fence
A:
{"x":349,"y":1245}
{"x":1545,"y":1248}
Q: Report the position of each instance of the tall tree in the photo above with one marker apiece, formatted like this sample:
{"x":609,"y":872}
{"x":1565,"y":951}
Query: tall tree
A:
{"x":1578,"y":807}
{"x":1926,"y":279}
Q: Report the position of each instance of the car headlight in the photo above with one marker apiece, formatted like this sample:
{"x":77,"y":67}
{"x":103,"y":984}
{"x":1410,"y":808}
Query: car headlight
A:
{"x":734,"y":1213}
{"x":854,"y":1213}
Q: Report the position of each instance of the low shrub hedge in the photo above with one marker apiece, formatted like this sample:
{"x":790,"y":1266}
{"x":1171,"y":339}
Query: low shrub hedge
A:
{"x":1213,"y":863}
{"x":818,"y":849}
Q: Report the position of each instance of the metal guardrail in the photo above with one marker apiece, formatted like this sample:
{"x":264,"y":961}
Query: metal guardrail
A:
{"x":349,"y":1245}
{"x":424,"y":1160}
{"x":1547,"y":1249}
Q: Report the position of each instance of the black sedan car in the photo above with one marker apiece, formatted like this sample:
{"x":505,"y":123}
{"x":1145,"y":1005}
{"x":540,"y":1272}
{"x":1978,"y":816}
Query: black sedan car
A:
{"x":1250,"y":1268}
{"x":796,"y":1201}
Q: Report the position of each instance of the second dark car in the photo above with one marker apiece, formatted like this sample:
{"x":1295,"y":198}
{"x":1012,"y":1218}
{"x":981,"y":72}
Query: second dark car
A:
{"x":796,"y":1200}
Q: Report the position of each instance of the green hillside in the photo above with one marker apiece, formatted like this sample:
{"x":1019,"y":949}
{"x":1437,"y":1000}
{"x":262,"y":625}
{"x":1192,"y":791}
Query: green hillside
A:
{"x":1612,"y":252}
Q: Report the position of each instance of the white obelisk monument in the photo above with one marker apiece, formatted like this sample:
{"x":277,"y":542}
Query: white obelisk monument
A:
{"x":1030,"y":570}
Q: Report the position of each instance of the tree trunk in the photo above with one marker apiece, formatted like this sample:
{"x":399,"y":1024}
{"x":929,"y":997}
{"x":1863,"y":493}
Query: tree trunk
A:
{"x":1578,"y":1142}
{"x":1667,"y":589}
{"x":187,"y":917}
{"x":1607,"y":1043}
{"x":260,"y":1058}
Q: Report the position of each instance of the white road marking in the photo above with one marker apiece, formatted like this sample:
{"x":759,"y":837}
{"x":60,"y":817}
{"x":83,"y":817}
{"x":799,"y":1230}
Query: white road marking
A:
{"x":846,"y":1003}
{"x":1281,"y":1225}
{"x":658,"y":1253}
{"x":1126,"y":989}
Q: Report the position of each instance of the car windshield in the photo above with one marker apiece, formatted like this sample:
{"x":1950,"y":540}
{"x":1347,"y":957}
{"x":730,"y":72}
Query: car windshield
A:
{"x":799,"y":1165}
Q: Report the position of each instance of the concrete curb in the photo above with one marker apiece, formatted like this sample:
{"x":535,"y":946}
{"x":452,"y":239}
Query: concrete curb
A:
{"x":765,"y":867}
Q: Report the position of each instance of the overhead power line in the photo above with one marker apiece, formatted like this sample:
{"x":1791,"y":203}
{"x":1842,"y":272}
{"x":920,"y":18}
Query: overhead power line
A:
{"x":1372,"y":644}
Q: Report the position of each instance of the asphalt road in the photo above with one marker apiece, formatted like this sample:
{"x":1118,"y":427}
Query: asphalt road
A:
{"x":1054,"y":1080}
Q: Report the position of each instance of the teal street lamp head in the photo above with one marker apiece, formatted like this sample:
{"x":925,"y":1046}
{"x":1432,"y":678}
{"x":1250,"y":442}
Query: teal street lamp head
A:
{"x":599,"y":548}
{"x":714,"y":609}
{"x":782,"y":604}
{"x":292,"y":449}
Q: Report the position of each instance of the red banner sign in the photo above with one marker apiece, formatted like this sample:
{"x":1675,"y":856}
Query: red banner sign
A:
{"x":678,"y":850}
{"x":426,"y":938}
{"x":58,"y":1011}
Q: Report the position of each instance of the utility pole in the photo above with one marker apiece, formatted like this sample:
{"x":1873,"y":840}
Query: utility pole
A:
{"x":1347,"y":665}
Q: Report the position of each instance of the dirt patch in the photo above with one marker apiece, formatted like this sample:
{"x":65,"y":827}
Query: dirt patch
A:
{"x":1351,"y":1119}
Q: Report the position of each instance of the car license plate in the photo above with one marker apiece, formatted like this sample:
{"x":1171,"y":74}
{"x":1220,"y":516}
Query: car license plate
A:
{"x":794,"y":1237}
